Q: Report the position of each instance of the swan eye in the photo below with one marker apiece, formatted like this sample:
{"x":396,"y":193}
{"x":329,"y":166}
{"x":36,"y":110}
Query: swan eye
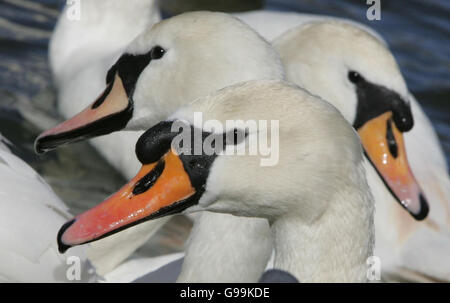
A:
{"x":157,"y":52}
{"x":354,"y":77}
{"x":236,"y":136}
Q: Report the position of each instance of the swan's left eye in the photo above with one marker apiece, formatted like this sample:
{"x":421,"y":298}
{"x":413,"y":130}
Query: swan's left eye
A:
{"x":157,"y":52}
{"x":235,"y":137}
{"x":354,"y":77}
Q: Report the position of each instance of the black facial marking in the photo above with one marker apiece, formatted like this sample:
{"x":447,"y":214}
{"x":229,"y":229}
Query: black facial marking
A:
{"x":392,"y":144}
{"x":129,"y":68}
{"x":374,"y":100}
{"x":149,"y":179}
{"x":110,"y":75}
{"x":155,"y":142}
{"x":197,"y":167}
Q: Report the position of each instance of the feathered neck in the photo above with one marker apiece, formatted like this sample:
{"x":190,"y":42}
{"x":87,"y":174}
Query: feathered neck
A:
{"x":335,"y":246}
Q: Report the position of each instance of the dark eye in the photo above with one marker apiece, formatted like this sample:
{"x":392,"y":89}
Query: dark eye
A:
{"x":157,"y":52}
{"x":354,"y":77}
{"x":235,"y":136}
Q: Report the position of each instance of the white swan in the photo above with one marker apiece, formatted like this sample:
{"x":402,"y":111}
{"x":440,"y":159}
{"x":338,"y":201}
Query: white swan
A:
{"x":30,"y":214}
{"x":193,"y":270}
{"x":81,"y":52}
{"x":271,"y":24}
{"x":316,"y":197}
{"x":162,"y":69}
{"x":320,"y":56}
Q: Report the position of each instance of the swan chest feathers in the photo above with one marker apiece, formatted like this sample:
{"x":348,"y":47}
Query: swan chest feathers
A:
{"x":30,"y":214}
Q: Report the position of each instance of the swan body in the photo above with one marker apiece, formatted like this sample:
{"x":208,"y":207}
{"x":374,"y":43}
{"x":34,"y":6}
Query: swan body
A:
{"x":30,"y":216}
{"x":318,"y":56}
{"x":316,"y":197}
{"x":271,"y":24}
{"x":80,"y":54}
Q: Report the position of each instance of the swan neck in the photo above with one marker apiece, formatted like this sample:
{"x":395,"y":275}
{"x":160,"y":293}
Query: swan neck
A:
{"x":333,"y":248}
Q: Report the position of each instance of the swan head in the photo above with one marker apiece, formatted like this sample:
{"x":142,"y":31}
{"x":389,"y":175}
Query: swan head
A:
{"x":354,"y":71}
{"x":174,"y":62}
{"x":320,"y":157}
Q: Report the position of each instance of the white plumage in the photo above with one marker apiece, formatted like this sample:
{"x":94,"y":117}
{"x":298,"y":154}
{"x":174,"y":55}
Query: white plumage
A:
{"x":80,"y":78}
{"x":318,"y":56}
{"x":30,"y":216}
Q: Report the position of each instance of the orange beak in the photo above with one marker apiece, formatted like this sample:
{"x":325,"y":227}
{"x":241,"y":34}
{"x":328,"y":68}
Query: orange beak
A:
{"x":110,"y":112}
{"x":384,"y":146}
{"x":159,"y":189}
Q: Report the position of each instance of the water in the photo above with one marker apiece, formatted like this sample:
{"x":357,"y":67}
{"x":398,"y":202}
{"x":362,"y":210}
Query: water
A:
{"x":417,"y":31}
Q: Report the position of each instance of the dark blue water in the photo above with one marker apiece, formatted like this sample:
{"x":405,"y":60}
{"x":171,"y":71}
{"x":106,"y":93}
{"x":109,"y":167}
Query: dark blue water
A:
{"x":418,"y":32}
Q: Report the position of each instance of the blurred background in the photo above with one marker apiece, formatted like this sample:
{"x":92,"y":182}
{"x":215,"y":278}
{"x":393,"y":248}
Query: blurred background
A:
{"x":417,"y":31}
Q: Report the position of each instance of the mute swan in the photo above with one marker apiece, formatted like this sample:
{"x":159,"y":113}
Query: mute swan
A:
{"x":80,"y":53}
{"x":192,"y":270}
{"x":30,"y":214}
{"x":271,"y":24}
{"x":162,"y":69}
{"x":316,"y":197}
{"x":321,"y":57}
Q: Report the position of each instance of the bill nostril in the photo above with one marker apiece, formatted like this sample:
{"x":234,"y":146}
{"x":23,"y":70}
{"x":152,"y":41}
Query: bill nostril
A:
{"x":392,"y":143}
{"x":149,"y":179}
{"x":103,"y":96}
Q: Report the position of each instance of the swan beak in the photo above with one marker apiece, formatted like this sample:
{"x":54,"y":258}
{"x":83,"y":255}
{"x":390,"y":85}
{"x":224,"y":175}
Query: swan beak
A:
{"x":159,"y":189}
{"x":385,"y":148}
{"x":110,"y":112}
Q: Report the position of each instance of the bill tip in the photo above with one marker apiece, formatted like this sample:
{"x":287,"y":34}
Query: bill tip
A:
{"x":63,"y":247}
{"x":424,"y":209}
